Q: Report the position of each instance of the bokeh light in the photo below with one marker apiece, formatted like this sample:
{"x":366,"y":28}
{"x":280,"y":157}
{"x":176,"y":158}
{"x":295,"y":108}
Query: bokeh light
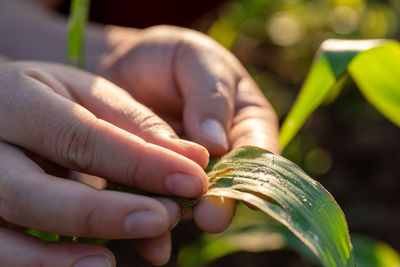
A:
{"x":318,"y":161}
{"x":284,"y":28}
{"x":344,"y":19}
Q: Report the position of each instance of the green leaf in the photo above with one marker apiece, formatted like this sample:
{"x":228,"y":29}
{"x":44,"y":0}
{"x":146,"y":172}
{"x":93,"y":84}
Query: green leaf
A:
{"x":47,"y":237}
{"x":94,"y":241}
{"x":372,"y":253}
{"x":377,"y":74}
{"x":281,"y":189}
{"x":330,"y":64}
{"x":79,"y":12}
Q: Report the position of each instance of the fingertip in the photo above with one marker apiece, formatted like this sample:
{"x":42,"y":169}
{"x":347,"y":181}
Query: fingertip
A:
{"x":214,"y":214}
{"x":193,"y":151}
{"x":185,"y":185}
{"x":174,"y":211}
{"x":156,"y":250}
{"x":145,"y":223}
{"x":98,"y":261}
{"x":216,"y":139}
{"x":90,"y":255}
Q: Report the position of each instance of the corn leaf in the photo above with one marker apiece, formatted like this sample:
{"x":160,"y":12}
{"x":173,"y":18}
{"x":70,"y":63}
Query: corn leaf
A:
{"x":377,"y":74}
{"x":282,"y":190}
{"x":330,"y":65}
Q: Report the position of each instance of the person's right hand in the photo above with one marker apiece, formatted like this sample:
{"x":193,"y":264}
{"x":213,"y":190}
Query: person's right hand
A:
{"x":83,"y":122}
{"x":200,"y":88}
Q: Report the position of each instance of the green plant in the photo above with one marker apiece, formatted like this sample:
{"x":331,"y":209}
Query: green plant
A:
{"x":372,"y":64}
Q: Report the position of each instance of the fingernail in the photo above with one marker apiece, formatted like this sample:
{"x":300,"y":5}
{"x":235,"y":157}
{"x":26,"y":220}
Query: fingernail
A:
{"x":183,"y":185}
{"x":93,"y":261}
{"x":186,"y":143}
{"x":212,"y":130}
{"x":195,"y":152}
{"x":143,"y":223}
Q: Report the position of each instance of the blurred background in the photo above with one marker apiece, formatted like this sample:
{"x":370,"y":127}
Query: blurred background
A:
{"x":347,"y":145}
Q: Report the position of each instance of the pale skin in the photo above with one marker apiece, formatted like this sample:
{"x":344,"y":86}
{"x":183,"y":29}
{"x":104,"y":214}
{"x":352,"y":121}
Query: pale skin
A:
{"x":197,"y":91}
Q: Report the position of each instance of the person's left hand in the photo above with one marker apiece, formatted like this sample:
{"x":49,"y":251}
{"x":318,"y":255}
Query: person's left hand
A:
{"x":200,"y":89}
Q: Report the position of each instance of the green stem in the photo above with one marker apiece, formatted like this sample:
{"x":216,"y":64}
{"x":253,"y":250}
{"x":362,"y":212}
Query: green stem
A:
{"x":79,"y":12}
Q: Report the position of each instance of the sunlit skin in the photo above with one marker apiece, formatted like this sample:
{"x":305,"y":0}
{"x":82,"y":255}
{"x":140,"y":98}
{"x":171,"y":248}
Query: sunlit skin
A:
{"x":176,"y":83}
{"x":196,"y":79}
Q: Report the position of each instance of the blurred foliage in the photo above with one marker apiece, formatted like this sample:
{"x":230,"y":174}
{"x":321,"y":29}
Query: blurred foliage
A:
{"x":276,"y":41}
{"x":373,"y":253}
{"x":250,"y":231}
{"x":371,"y":64}
{"x":255,"y":232}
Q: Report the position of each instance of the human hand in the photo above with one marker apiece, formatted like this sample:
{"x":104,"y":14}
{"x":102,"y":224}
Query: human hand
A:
{"x":85,"y":123}
{"x":199,"y":88}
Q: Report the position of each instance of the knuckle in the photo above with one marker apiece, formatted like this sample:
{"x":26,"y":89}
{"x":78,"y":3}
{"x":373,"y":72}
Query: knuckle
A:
{"x":134,"y":171}
{"x":86,"y":219}
{"x":219,"y":96}
{"x":150,"y":124}
{"x":75,"y":145}
{"x":9,"y":197}
{"x":40,"y":258}
{"x":222,"y":91}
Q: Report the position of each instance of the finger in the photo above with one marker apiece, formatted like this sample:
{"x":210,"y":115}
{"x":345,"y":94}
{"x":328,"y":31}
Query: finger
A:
{"x":207,"y":85}
{"x":68,"y":134}
{"x":113,"y":104}
{"x":20,"y":250}
{"x":255,"y":122}
{"x":214,"y":214}
{"x":33,"y":199}
{"x":173,"y":209}
{"x":156,"y":250}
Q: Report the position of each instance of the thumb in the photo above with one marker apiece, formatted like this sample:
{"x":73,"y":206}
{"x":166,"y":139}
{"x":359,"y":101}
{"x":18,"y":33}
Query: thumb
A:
{"x":208,"y":89}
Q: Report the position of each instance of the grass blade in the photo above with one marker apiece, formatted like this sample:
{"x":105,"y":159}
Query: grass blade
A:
{"x":281,"y":189}
{"x":79,"y":13}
